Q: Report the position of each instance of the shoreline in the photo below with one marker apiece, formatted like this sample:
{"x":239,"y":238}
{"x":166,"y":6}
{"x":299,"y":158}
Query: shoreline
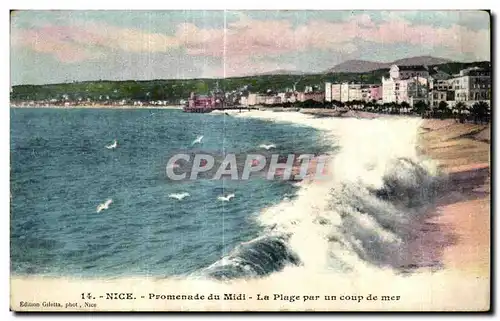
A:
{"x":461,"y":238}
{"x":454,"y":288}
{"x":97,"y":107}
{"x":463,"y":207}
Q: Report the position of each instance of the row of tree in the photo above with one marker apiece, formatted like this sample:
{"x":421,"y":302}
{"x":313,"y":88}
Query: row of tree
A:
{"x":479,"y":112}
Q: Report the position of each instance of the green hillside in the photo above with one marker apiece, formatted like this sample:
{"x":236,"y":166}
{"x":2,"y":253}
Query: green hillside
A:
{"x":174,"y":90}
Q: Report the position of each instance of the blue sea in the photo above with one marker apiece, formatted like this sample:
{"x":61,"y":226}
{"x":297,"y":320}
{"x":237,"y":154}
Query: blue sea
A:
{"x":61,"y":171}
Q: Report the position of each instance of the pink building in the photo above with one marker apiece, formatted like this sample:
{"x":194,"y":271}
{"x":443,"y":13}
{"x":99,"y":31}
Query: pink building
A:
{"x":376,"y":92}
{"x":201,"y":102}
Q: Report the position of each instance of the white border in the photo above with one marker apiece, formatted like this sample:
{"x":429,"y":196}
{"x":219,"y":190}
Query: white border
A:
{"x":188,"y":4}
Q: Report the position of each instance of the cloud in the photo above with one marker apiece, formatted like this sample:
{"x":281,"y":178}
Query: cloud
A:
{"x":90,"y":41}
{"x":67,"y":44}
{"x":250,"y":45}
{"x":249,"y":37}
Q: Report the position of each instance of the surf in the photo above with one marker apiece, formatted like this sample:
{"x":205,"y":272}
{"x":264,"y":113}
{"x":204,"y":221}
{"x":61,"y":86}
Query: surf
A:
{"x":366,"y":215}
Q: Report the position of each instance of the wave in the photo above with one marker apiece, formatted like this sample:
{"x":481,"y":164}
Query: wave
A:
{"x":367,"y":214}
{"x":257,"y":257}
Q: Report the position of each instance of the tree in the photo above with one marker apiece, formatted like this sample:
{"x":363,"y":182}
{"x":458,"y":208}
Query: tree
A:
{"x":480,"y":111}
{"x":460,"y":107}
{"x":405,"y":106}
{"x":421,"y":108}
{"x":395,"y":108}
{"x":442,"y":111}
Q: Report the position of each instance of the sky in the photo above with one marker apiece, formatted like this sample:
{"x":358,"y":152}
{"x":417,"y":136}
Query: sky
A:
{"x":67,"y":46}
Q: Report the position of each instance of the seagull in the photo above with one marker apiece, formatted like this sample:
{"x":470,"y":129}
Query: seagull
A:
{"x":104,"y":206}
{"x":179,"y":196}
{"x":267,"y":146}
{"x":197,"y":140}
{"x":225,"y":198}
{"x":113,"y":146}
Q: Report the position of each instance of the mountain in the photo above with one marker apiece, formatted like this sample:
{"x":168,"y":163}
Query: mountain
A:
{"x":420,"y":60}
{"x":357,"y":66}
{"x":280,"y":72}
{"x":366,"y":66}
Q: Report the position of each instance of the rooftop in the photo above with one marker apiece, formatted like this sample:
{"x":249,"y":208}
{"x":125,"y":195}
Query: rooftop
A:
{"x":416,"y":68}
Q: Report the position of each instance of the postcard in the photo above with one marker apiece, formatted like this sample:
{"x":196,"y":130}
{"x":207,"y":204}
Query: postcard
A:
{"x":269,"y":160}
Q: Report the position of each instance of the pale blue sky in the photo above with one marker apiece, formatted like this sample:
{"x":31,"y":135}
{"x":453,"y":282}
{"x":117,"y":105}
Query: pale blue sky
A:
{"x":62,"y":46}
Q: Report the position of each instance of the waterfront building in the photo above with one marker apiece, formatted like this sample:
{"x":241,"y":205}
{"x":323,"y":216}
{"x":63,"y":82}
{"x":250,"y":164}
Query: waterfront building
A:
{"x":405,"y":84}
{"x":316,"y":96}
{"x":472,"y":85}
{"x":440,"y":89}
{"x":256,"y":99}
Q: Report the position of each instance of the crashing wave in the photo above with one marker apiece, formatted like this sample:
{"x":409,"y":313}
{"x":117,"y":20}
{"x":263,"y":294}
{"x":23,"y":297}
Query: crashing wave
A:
{"x":368,"y":214}
{"x":258,"y":257}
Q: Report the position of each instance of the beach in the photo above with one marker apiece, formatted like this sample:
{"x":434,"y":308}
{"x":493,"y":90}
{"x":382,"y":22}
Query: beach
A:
{"x":459,"y":283}
{"x":462,"y":151}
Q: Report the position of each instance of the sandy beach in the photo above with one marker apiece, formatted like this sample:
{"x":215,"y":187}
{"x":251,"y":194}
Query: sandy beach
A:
{"x":462,"y":152}
{"x":461,"y":284}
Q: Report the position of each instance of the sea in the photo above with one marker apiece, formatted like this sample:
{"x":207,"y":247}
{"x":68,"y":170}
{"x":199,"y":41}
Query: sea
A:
{"x":61,"y":170}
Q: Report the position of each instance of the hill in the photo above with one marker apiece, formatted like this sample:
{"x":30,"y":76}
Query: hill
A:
{"x":174,"y":90}
{"x":366,"y":66}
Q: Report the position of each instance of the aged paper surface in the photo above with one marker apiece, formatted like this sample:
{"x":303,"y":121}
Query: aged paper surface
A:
{"x":250,"y":160}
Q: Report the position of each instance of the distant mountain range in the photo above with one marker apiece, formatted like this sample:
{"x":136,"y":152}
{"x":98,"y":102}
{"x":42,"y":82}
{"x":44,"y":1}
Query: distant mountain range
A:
{"x":360,"y":66}
{"x":366,"y":66}
{"x":280,"y":72}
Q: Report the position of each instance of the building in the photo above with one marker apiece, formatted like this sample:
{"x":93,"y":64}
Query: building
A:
{"x":316,"y":96}
{"x":375,"y":92}
{"x":287,"y":97}
{"x":440,"y":89}
{"x":472,"y":85}
{"x":349,"y":92}
{"x":406,"y":72}
{"x":336,"y":92}
{"x":244,"y":101}
{"x":406,"y":84}
{"x":256,"y":99}
{"x":332,"y":92}
{"x":272,"y":100}
{"x":328,"y":91}
{"x":394,"y":90}
{"x":201,"y":101}
{"x":354,"y":92}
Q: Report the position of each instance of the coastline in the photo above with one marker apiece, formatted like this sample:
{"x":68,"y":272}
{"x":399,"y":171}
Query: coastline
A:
{"x":456,"y":231}
{"x":453,"y":288}
{"x":98,"y":107}
{"x":462,"y":153}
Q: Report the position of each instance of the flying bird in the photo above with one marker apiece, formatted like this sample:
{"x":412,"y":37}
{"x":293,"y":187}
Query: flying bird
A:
{"x":112,"y":146}
{"x":267,"y":146}
{"x":197,"y":140}
{"x":104,"y":206}
{"x":179,"y":196}
{"x":225,"y":198}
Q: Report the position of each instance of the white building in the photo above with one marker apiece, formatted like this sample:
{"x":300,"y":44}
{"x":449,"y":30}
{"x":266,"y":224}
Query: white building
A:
{"x":328,"y":91}
{"x":405,"y":84}
{"x":472,"y":85}
{"x":440,"y":89}
{"x":244,"y":101}
{"x":349,"y":92}
{"x":256,"y":99}
{"x":406,"y":72}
